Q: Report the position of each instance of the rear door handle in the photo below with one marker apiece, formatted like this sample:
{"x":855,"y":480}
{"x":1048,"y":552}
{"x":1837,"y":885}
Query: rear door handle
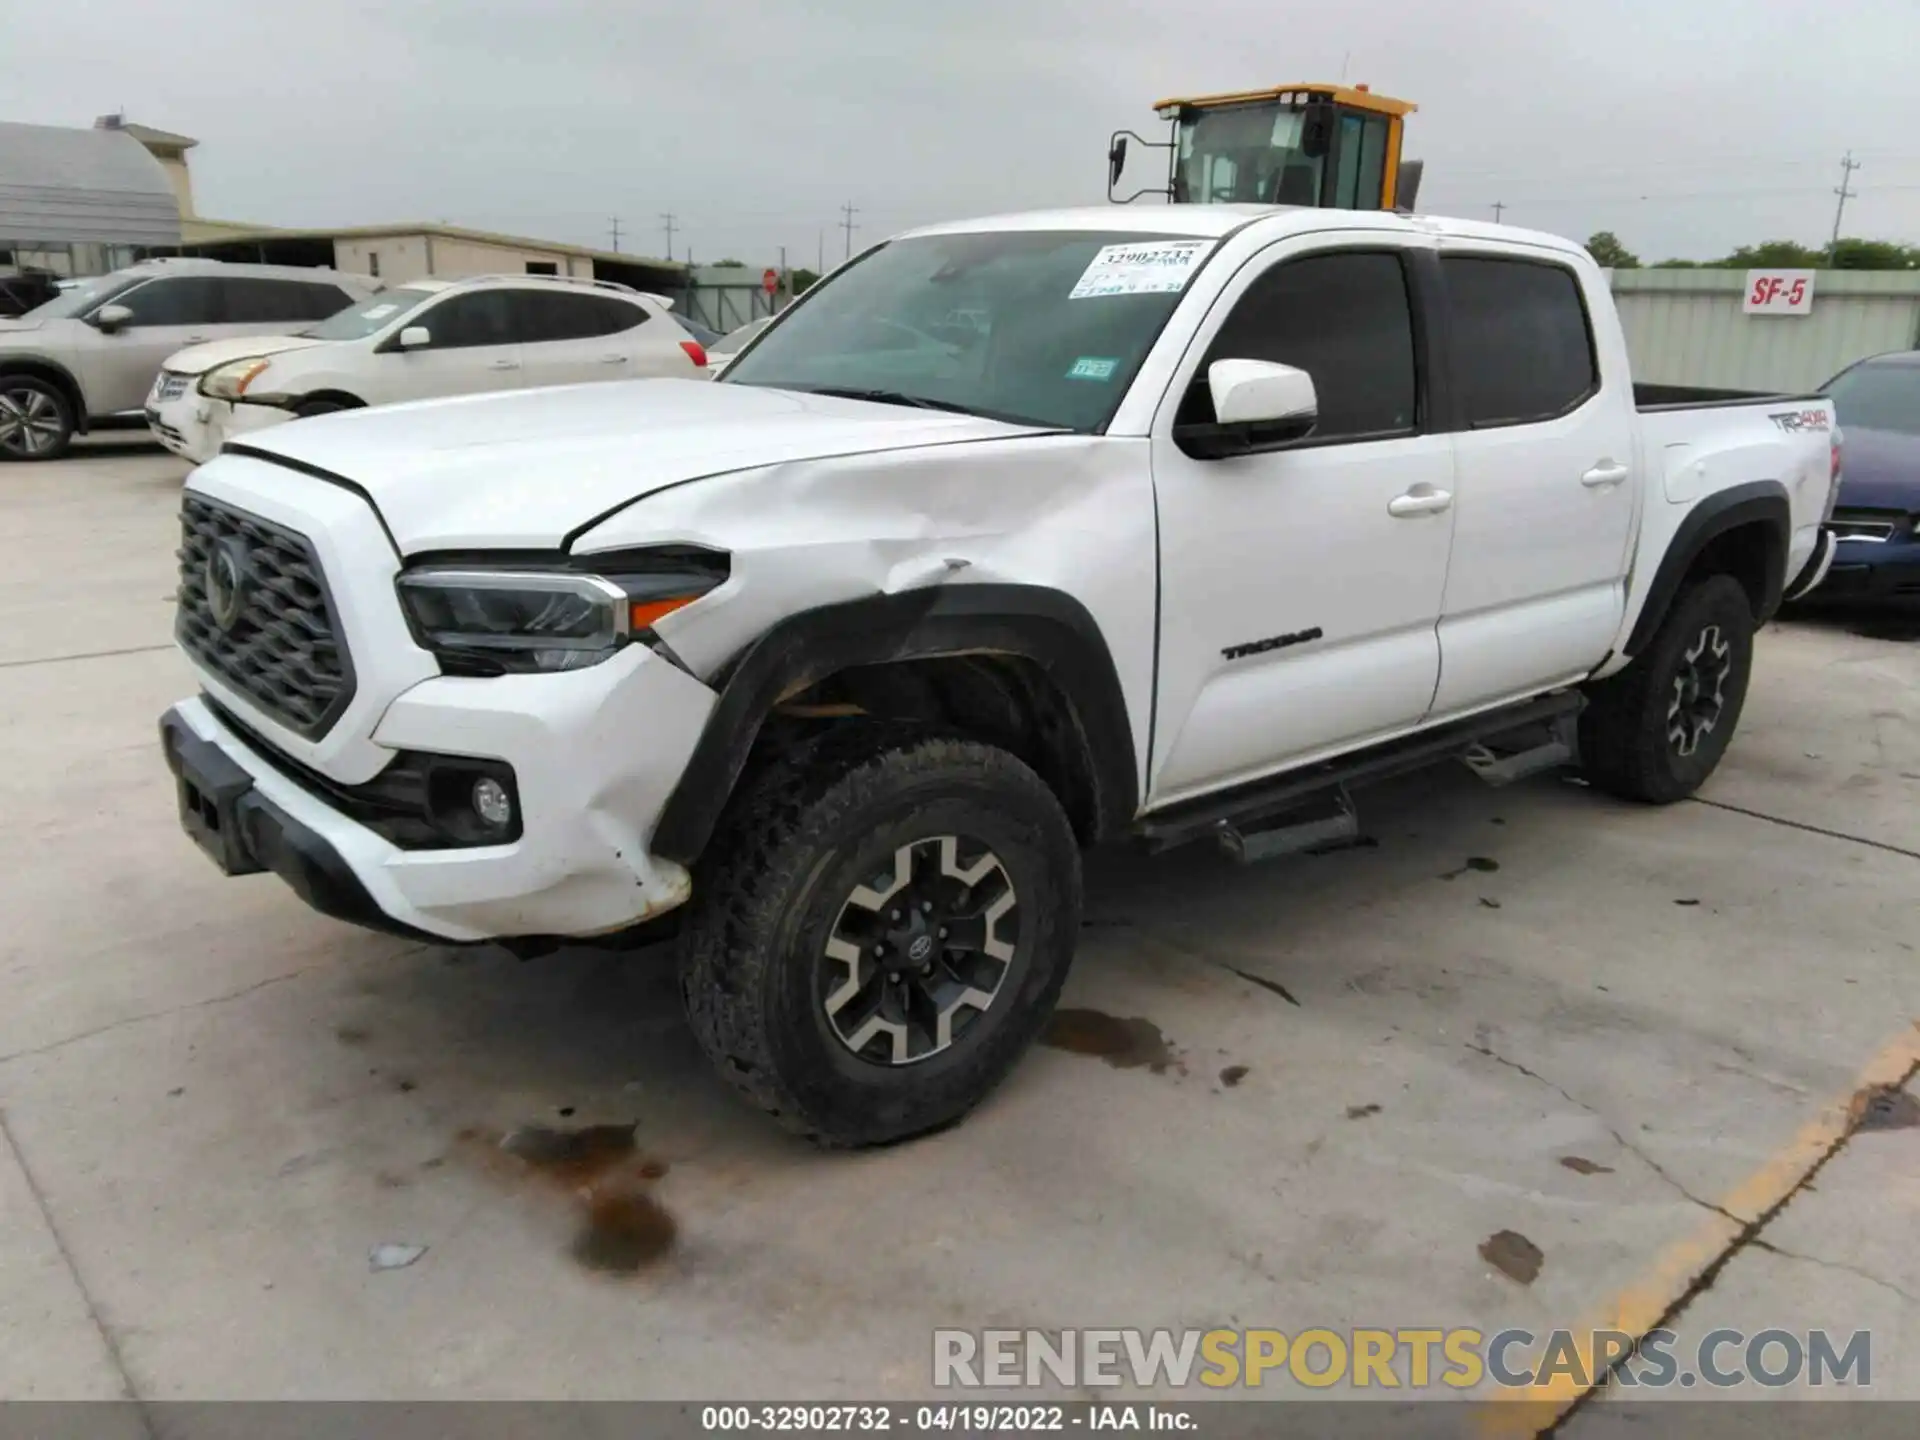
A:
{"x":1419,"y":501}
{"x":613,"y":359}
{"x":196,"y":339}
{"x":504,"y":365}
{"x":1604,"y":474}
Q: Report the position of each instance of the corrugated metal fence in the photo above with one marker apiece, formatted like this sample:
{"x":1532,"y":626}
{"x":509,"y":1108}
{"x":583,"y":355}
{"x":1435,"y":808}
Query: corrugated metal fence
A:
{"x":1685,"y":327}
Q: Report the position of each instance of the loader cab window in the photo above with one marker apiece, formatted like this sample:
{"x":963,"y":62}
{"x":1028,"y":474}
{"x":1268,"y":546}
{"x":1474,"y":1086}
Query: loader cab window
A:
{"x":1361,"y":148}
{"x":1245,"y":154}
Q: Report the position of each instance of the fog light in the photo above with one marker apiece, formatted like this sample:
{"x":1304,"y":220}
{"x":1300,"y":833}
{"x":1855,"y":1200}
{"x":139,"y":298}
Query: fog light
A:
{"x":491,"y":804}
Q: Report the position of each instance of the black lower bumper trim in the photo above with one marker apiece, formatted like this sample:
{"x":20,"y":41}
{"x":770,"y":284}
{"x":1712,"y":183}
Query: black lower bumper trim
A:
{"x":243,"y":833}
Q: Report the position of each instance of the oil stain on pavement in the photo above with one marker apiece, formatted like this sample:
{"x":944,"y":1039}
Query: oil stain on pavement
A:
{"x":1513,"y":1255}
{"x":622,"y":1227}
{"x":1125,"y":1044}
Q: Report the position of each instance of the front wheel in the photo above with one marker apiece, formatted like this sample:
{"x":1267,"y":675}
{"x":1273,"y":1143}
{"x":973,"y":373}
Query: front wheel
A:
{"x":1655,"y":731}
{"x":36,"y":422}
{"x":880,"y":930}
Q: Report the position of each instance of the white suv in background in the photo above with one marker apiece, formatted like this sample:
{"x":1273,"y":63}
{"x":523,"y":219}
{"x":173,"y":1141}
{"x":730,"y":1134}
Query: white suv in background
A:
{"x":93,"y":351}
{"x":419,"y":341}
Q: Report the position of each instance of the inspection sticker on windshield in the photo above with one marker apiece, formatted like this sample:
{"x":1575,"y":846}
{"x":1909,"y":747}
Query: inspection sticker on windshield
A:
{"x":1153,"y":268}
{"x":1093,"y":367}
{"x":378,"y":312}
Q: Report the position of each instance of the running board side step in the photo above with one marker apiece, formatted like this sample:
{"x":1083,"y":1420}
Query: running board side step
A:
{"x":1265,"y":819}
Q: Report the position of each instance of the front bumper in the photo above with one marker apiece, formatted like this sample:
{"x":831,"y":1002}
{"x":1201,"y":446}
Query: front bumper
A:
{"x":595,"y":754}
{"x":1873,"y":570}
{"x":195,"y":426}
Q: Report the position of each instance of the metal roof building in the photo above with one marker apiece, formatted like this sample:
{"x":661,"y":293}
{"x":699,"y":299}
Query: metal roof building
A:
{"x":64,"y":192}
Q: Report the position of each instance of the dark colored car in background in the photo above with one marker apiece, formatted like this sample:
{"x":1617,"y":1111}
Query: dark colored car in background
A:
{"x":1877,"y":402}
{"x":25,"y":290}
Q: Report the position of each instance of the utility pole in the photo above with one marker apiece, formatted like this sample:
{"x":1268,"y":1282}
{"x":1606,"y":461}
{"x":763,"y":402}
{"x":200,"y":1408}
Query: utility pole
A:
{"x":1498,"y":209}
{"x":668,"y":217}
{"x":1847,"y":166}
{"x":847,"y":212}
{"x":616,"y":235}
{"x":820,"y":265}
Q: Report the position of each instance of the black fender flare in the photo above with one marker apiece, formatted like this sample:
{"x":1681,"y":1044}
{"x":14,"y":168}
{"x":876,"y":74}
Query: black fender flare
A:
{"x":1034,"y":622}
{"x":1760,"y":502}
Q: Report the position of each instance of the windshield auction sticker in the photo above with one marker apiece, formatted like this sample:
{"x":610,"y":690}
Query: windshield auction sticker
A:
{"x":1153,"y":268}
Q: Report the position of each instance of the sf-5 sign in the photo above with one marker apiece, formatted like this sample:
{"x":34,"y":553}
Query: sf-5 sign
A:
{"x":1779,"y":292}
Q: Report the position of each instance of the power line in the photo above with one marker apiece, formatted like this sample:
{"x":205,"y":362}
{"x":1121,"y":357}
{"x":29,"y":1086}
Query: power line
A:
{"x":1847,"y":167}
{"x":1498,"y":210}
{"x":668,"y":217}
{"x":847,"y":212}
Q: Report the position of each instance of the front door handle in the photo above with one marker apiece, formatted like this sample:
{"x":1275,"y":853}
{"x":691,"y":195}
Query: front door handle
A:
{"x":196,"y":339}
{"x":1604,"y":474}
{"x":504,"y":365}
{"x":1421,"y":500}
{"x":613,"y":359}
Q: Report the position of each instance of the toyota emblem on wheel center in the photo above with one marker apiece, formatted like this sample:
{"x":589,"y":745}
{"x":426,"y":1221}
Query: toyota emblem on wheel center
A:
{"x":226,"y":577}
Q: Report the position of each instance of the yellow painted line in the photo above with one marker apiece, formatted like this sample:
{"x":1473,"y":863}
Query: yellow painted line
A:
{"x":1639,"y":1306}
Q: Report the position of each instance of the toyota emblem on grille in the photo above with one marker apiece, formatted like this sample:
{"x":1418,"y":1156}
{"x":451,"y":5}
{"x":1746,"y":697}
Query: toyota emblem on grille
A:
{"x":226,"y":577}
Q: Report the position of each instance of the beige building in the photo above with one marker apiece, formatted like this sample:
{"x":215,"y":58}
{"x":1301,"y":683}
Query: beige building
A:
{"x":391,"y":253}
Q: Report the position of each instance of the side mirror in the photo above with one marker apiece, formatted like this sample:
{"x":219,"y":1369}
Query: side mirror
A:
{"x":414,"y":337}
{"x":1257,"y":405}
{"x":109,"y":318}
{"x":1116,"y":160}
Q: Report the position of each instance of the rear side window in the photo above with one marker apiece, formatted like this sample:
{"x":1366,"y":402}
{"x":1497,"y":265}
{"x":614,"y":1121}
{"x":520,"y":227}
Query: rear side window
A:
{"x":1521,"y":342}
{"x":256,"y":301}
{"x":1345,"y":319}
{"x":177,"y":300}
{"x":550,"y":315}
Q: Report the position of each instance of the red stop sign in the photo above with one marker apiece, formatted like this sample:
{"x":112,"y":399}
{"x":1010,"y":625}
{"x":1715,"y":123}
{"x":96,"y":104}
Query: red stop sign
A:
{"x":771,"y":280}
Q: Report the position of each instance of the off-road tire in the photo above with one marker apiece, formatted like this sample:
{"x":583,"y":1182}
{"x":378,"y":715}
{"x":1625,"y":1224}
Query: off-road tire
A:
{"x":28,"y":405}
{"x":801,"y":834}
{"x":1626,"y":742}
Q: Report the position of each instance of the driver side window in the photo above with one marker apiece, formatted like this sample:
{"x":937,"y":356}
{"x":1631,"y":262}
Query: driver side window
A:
{"x":181,"y":300}
{"x":1346,"y":318}
{"x":482,"y":317}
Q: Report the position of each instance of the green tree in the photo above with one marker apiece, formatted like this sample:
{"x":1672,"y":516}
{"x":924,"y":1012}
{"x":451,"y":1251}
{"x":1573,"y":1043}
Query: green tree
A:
{"x":1676,"y":265}
{"x":1854,"y":254}
{"x":729,"y":264}
{"x":1772,"y":255}
{"x":803,"y":280}
{"x":1606,"y":249}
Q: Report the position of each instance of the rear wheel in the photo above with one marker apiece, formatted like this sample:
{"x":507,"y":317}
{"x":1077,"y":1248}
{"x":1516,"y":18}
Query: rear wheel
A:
{"x":1655,"y":731}
{"x":881,"y":929}
{"x":36,"y":421}
{"x":308,"y":408}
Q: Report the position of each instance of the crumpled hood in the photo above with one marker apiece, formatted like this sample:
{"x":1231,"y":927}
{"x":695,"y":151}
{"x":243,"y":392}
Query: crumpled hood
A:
{"x":1879,"y":470}
{"x":198,"y":359}
{"x":526,"y":470}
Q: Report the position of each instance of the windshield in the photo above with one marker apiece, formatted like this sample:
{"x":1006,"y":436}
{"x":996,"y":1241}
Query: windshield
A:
{"x":1038,"y":327}
{"x":83,"y":295}
{"x":1878,"y":397}
{"x":1246,"y":154}
{"x":362,"y":320}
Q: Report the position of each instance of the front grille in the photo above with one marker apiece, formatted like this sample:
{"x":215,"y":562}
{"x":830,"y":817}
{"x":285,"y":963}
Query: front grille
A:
{"x":276,"y":641}
{"x":1862,"y":525}
{"x":172,"y":386}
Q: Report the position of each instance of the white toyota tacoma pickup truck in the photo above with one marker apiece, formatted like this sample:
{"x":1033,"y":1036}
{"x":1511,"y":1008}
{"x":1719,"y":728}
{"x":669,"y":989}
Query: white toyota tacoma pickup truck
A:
{"x":1012,"y":537}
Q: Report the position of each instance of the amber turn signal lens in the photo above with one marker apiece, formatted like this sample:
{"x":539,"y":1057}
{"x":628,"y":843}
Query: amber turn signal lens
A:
{"x":642,"y":613}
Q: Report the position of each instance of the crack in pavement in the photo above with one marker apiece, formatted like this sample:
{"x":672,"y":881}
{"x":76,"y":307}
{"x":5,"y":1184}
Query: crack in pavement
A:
{"x":111,"y":1343}
{"x":1749,"y":1235}
{"x":1841,"y":1265}
{"x":208,"y":1003}
{"x":83,"y":655}
{"x":1809,"y":829}
{"x":1621,"y":1140}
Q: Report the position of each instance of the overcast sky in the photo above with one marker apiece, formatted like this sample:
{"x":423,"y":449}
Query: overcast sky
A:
{"x":1686,"y":126}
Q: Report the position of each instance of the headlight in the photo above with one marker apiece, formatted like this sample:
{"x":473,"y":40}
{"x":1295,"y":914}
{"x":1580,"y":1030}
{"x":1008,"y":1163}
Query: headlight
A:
{"x":230,"y":381}
{"x":493,"y":622}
